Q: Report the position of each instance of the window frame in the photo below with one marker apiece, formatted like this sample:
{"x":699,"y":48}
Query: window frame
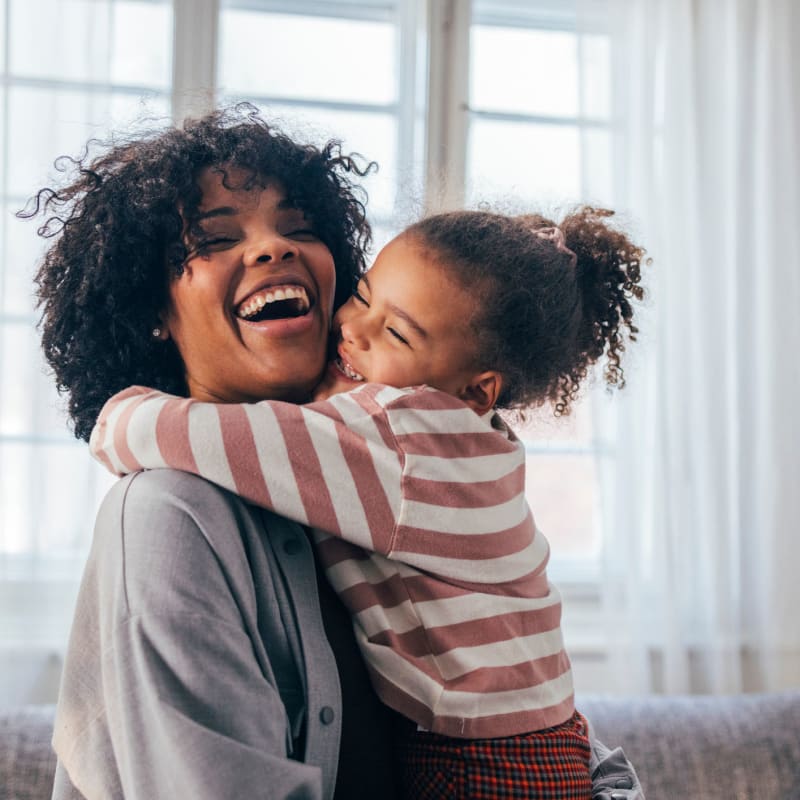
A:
{"x":433,"y":102}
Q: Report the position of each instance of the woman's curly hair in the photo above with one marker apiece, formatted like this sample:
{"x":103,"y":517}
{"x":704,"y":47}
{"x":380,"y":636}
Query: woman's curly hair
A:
{"x":542,"y":317}
{"x":118,"y":229}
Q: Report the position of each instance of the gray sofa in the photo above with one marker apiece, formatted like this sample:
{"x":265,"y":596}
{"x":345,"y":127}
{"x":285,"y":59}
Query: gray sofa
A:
{"x":745,"y":747}
{"x":742,"y":747}
{"x":27,"y":763}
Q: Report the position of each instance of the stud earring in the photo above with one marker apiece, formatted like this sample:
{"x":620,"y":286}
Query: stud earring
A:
{"x":156,"y":333}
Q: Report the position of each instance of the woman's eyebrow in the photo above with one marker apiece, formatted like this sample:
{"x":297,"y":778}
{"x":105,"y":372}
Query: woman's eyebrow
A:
{"x":222,"y":211}
{"x":288,"y":205}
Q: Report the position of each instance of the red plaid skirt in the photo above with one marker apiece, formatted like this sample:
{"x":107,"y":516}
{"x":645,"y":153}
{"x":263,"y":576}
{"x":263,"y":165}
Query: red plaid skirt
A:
{"x":551,"y":764}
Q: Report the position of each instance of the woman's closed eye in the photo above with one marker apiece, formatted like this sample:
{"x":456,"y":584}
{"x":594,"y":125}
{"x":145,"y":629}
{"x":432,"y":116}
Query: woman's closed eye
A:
{"x":360,"y":298}
{"x":212,"y":240}
{"x":302,"y":235}
{"x":213,"y":243}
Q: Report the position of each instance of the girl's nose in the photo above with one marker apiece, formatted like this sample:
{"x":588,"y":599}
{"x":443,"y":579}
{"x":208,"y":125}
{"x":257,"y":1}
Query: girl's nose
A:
{"x":355,"y":334}
{"x":271,"y":249}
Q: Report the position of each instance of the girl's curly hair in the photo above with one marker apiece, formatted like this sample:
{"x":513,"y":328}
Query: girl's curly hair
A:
{"x":542,"y":317}
{"x":118,"y":229}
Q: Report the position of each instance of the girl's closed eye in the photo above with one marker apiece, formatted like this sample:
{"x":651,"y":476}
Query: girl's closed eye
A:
{"x":360,"y":298}
{"x":399,"y":337}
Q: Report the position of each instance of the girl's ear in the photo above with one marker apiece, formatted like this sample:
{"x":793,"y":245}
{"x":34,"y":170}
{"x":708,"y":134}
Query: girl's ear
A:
{"x":482,"y":392}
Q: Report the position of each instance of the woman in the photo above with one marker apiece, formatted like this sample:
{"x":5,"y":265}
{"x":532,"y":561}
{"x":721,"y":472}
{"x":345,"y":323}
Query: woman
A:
{"x":202,"y":663}
{"x":198,"y":663}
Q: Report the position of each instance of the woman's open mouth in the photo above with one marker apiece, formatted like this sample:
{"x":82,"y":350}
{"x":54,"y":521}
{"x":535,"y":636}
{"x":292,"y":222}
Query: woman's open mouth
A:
{"x":275,"y":302}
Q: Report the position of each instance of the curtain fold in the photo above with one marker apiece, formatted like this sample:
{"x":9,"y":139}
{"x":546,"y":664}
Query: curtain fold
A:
{"x":702,"y":515}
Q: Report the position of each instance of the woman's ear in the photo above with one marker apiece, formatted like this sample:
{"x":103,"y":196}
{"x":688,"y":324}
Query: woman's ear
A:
{"x":482,"y":392}
{"x":160,"y":330}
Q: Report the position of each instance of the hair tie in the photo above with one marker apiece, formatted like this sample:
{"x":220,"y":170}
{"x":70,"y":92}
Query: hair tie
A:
{"x":555,"y":235}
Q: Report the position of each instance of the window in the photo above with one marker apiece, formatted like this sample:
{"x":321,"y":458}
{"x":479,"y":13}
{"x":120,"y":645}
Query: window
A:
{"x":334,"y":70}
{"x":538,"y":106}
{"x":529,"y":124}
{"x":538,"y":138}
{"x":96,"y":65}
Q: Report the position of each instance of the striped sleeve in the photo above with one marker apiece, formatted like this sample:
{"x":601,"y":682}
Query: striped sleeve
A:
{"x":328,"y":464}
{"x":413,"y":474}
{"x":464,"y":514}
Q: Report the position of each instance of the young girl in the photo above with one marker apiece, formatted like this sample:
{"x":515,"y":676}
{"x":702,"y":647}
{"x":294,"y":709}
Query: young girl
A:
{"x":417,"y":494}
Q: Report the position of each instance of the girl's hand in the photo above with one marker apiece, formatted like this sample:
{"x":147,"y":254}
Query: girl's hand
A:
{"x":333,"y":382}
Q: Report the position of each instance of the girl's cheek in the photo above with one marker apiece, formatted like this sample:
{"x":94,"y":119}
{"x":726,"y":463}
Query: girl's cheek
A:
{"x":343,"y":310}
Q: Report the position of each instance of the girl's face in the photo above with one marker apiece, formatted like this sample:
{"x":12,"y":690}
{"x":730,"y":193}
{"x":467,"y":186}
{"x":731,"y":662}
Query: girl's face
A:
{"x":251,"y":312}
{"x":407,"y":324}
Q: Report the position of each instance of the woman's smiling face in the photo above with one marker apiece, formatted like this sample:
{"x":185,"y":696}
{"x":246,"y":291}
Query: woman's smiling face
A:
{"x":251,"y":312}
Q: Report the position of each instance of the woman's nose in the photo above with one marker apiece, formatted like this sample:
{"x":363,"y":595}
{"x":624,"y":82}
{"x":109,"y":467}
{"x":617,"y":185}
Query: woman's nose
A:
{"x":271,"y":249}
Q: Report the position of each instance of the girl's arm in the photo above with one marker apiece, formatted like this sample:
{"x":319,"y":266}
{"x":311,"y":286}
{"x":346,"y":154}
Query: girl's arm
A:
{"x":328,"y":464}
{"x":412,"y":474}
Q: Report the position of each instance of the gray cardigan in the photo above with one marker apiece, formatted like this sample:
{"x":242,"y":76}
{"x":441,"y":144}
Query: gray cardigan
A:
{"x":196,"y":655}
{"x":198,"y":664}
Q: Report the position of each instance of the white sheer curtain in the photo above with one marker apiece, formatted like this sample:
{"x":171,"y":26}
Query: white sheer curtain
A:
{"x":700,"y":585}
{"x":69,"y":70}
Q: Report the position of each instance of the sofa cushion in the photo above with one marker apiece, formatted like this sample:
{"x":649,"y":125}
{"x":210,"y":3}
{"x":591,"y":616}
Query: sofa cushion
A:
{"x":27,"y":761}
{"x":706,"y":748}
{"x":743,"y":747}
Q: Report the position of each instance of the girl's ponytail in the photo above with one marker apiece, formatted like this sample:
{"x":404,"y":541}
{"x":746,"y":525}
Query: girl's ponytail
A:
{"x":608,"y":271}
{"x":550,"y":300}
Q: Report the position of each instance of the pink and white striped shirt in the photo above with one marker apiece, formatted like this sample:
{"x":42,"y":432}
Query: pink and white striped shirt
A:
{"x":421,"y":524}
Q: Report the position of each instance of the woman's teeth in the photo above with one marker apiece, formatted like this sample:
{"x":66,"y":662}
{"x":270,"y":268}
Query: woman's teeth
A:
{"x":348,"y":370}
{"x":297,"y":294}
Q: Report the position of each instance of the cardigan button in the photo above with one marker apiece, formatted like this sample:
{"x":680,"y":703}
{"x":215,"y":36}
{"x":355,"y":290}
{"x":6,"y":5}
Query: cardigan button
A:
{"x":292,"y":547}
{"x":326,"y":715}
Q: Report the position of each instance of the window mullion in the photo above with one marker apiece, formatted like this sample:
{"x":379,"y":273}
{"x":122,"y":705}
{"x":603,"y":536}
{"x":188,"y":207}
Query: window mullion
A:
{"x":411,"y":97}
{"x":448,"y":94}
{"x":194,"y":57}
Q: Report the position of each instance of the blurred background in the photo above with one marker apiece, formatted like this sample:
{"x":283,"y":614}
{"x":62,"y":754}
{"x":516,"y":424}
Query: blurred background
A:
{"x":672,"y":507}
